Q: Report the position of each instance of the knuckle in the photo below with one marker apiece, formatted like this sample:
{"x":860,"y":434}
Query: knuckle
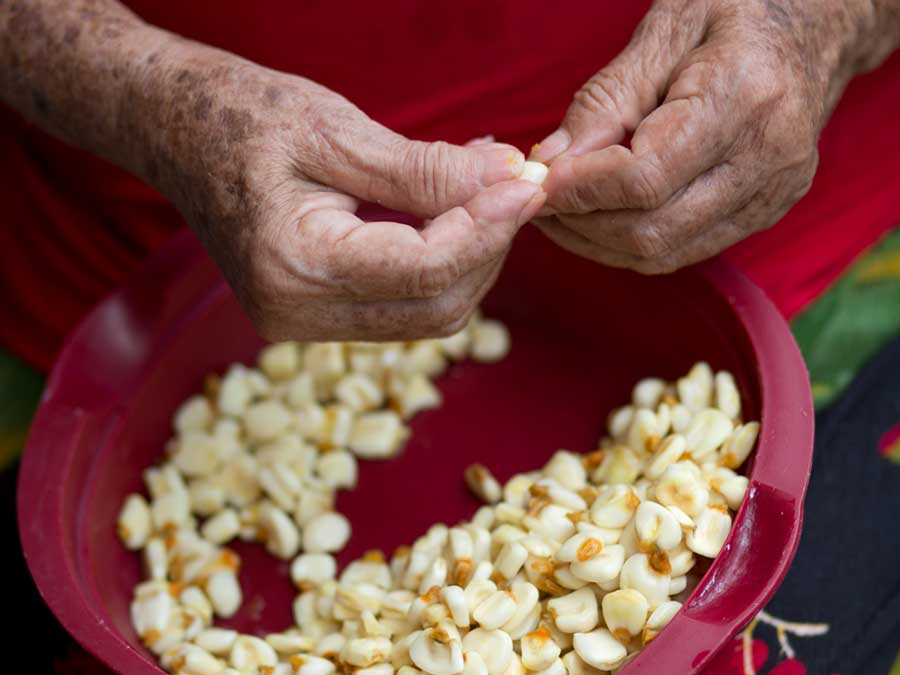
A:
{"x":433,"y":170}
{"x":646,"y":188}
{"x":433,"y":277}
{"x":601,"y":93}
{"x":648,"y":243}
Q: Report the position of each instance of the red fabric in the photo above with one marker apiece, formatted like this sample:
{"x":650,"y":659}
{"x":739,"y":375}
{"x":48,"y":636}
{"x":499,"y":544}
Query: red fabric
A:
{"x":76,"y":227}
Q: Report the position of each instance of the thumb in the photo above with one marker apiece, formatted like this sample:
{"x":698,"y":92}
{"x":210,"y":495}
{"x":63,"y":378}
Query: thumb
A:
{"x":372,"y":163}
{"x":614,"y":101}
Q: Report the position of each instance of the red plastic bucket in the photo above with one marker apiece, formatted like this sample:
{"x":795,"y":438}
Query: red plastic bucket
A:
{"x":582,"y":335}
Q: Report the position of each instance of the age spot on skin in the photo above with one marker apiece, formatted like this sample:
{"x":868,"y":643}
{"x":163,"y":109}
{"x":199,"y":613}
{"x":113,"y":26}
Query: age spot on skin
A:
{"x":272,"y":95}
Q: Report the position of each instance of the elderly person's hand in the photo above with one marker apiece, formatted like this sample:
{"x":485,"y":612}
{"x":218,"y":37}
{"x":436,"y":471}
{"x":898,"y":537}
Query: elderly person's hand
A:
{"x":268,"y":168}
{"x":725,"y":100}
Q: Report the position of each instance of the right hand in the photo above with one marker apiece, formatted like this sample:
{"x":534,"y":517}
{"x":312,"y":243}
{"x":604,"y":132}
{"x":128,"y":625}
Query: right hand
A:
{"x":268,"y":169}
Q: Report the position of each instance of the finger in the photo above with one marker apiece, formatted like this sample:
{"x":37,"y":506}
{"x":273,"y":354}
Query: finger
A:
{"x":353,"y":153}
{"x":651,"y":234}
{"x":613,"y":102}
{"x":380,"y":260}
{"x":405,"y":319}
{"x":648,"y":248}
{"x":417,"y":318}
{"x":691,"y":132}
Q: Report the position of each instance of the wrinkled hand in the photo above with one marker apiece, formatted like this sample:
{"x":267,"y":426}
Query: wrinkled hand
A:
{"x":269,"y":169}
{"x":725,"y":100}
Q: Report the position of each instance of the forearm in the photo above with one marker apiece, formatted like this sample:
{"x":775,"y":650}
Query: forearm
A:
{"x":68,"y":67}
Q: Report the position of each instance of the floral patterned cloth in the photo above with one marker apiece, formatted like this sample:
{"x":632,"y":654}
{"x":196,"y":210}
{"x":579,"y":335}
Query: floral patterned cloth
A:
{"x":838,"y":611}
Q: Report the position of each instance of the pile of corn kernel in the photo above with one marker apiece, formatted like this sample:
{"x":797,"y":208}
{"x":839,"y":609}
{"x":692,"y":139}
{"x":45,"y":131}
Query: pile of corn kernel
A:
{"x":568,"y":570}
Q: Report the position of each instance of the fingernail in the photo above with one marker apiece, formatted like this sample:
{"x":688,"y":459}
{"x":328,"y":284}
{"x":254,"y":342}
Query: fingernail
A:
{"x":481,"y":140}
{"x":501,"y":162}
{"x":552,"y":146}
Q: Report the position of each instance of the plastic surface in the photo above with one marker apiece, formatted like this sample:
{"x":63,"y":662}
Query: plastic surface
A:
{"x":582,"y":335}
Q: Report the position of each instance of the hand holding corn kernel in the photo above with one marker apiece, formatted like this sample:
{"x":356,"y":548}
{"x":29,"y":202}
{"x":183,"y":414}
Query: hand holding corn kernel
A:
{"x":724,"y":102}
{"x":569,"y":570}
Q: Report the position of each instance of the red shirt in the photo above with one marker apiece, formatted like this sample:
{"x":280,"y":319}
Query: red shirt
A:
{"x":76,"y":226}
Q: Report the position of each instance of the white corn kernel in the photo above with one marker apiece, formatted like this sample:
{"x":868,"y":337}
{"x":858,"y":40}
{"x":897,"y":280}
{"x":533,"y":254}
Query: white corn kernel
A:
{"x":681,"y":486}
{"x":599,"y":649}
{"x":433,"y":655}
{"x":668,"y":452}
{"x":534,"y":172}
{"x":327,"y":532}
{"x":643,"y":434}
{"x":423,"y":357}
{"x":728,"y":398}
{"x":565,"y":578}
{"x":359,"y":392}
{"x":710,"y":532}
{"x":218,"y":641}
{"x":659,"y":619}
{"x":280,"y":361}
{"x":708,"y":430}
{"x":602,"y":567}
{"x":681,"y":418}
{"x":312,"y":503}
{"x":516,"y":491}
{"x":281,"y":537}
{"x":266,"y":420}
{"x":371,"y":569}
{"x":482,"y":483}
{"x":222,"y":527}
{"x":326,"y":362}
{"x":539,"y":650}
{"x":304,"y":664}
{"x":455,"y":599}
{"x":338,"y":469}
{"x":234,"y":392}
{"x":614,"y":506}
{"x":620,"y":464}
{"x":156,"y":560}
{"x":490,"y":342}
{"x":510,"y":559}
{"x":567,"y":469}
{"x":576,"y":612}
{"x":656,"y":527}
{"x":207,"y":498}
{"x":249,"y":653}
{"x":134,"y":522}
{"x":364,"y":652}
{"x":619,"y":421}
{"x":378,"y":435}
{"x":739,"y":445}
{"x":493,"y":646}
{"x":290,"y":642}
{"x":730,"y":485}
{"x":418,"y":393}
{"x":195,"y":414}
{"x":172,"y":509}
{"x":474,"y":664}
{"x":224,"y":592}
{"x":677,"y":585}
{"x":625,"y":613}
{"x":638,"y":573}
{"x":576,"y":666}
{"x":495,"y":610}
{"x":528,"y":610}
{"x":647,"y":392}
{"x":456,"y":346}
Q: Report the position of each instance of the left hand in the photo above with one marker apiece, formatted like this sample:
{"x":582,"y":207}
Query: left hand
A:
{"x":725,"y":100}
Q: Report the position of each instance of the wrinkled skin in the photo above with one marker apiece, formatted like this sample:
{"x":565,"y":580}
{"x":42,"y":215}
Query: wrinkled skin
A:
{"x":724,"y":101}
{"x":269,"y":168}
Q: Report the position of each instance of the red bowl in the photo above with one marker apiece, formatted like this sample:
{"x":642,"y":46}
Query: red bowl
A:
{"x":582,"y":336}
